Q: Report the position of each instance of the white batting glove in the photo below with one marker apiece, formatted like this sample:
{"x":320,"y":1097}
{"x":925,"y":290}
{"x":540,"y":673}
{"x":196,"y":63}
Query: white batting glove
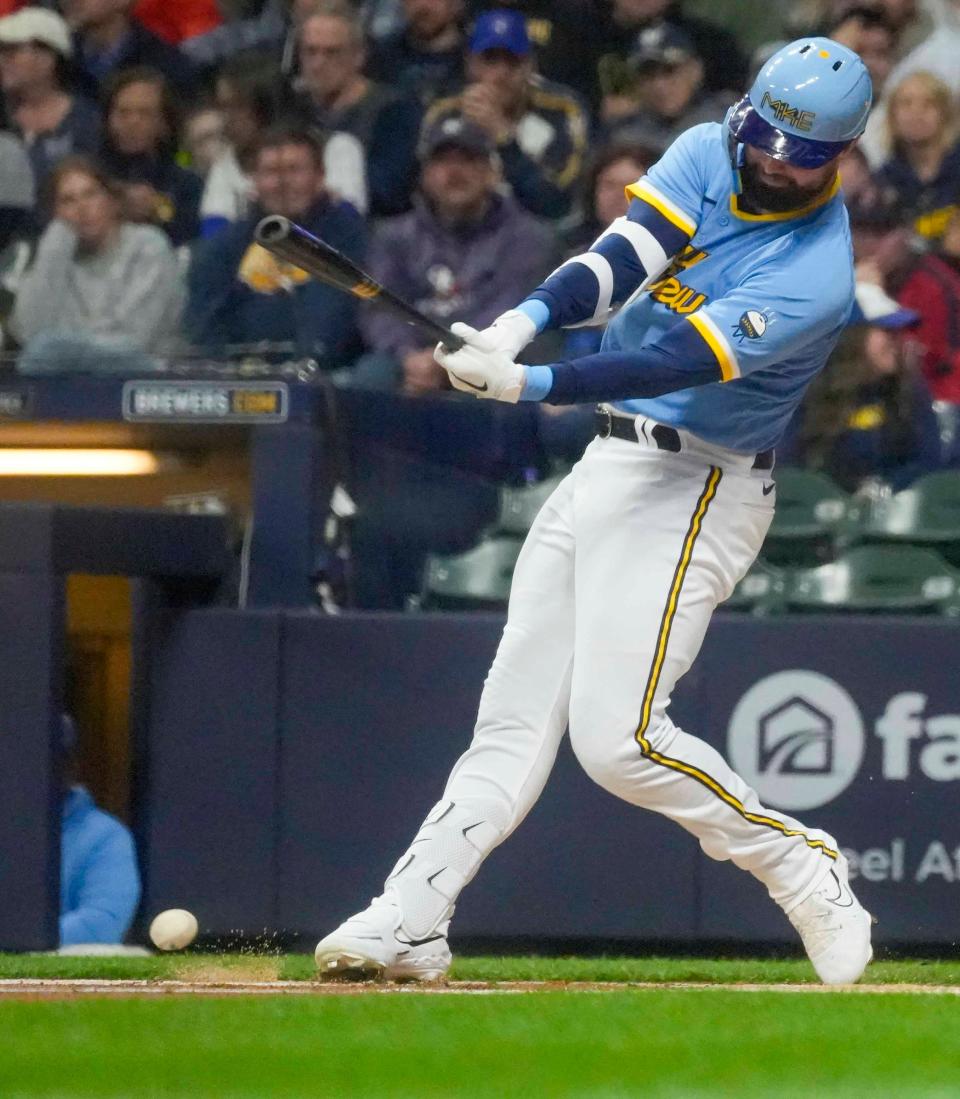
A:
{"x":480,"y":367}
{"x":511,"y":332}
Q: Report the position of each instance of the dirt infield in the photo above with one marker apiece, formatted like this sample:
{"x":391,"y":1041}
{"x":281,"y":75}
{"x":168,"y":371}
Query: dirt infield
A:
{"x":44,"y":989}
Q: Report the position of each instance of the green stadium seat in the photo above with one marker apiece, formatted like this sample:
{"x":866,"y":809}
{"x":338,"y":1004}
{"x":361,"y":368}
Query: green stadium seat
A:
{"x":761,"y":591}
{"x":872,"y":579}
{"x":809,"y":516}
{"x":926,"y":514}
{"x":520,"y":506}
{"x":478,"y":579}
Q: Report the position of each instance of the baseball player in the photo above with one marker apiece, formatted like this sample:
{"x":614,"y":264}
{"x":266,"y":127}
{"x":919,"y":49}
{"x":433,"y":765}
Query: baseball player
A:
{"x":730,"y":279}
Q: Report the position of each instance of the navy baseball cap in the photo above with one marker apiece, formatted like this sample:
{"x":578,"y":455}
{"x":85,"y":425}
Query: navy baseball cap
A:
{"x":873,"y":306}
{"x":457,"y":133}
{"x":501,"y":30}
{"x":664,"y":45}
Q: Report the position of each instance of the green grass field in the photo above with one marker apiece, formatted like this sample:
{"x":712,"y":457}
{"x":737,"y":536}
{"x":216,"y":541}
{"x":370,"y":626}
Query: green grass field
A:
{"x":623,"y":1041}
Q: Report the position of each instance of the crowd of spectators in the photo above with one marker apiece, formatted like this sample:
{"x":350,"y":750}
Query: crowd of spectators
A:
{"x":460,"y":150}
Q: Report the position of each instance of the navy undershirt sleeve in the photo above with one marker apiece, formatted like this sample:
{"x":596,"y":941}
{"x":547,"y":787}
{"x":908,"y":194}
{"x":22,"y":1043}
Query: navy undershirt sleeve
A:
{"x":678,"y":360}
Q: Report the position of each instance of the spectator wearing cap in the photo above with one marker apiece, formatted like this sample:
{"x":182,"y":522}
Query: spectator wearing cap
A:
{"x":869,"y":414}
{"x":240,"y":294}
{"x":932,"y":291}
{"x":245,"y":95}
{"x":724,"y":63}
{"x":425,"y":58}
{"x":668,"y":96}
{"x":923,"y":172}
{"x":464,"y":250}
{"x":539,"y":129}
{"x":35,"y":76}
{"x":333,"y":94}
{"x":107,"y":38}
{"x":101,"y":294}
{"x":564,"y":34}
{"x":99,"y":879}
{"x":142,"y":121}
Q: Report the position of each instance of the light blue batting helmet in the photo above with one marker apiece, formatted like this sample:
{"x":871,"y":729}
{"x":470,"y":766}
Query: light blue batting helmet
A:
{"x":807,"y":104}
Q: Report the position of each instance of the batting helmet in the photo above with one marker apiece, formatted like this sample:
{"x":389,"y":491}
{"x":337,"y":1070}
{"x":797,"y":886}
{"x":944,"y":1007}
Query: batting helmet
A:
{"x":807,"y":104}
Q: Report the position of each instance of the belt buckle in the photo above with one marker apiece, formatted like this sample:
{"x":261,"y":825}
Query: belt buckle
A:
{"x":607,"y":429}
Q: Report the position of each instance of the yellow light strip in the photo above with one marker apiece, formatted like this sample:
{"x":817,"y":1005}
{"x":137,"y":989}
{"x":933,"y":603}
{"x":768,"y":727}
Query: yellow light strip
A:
{"x":76,"y":462}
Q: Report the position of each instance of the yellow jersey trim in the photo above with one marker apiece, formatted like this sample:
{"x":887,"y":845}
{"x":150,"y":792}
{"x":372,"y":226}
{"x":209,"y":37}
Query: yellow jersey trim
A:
{"x":786,"y":215}
{"x":646,"y":192}
{"x":714,"y":339}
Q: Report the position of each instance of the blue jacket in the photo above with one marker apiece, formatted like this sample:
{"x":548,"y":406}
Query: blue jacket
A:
{"x":99,"y":880}
{"x":238,"y":295}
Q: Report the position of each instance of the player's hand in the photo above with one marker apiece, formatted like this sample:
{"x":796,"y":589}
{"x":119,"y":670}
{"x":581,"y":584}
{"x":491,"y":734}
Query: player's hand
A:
{"x":510,"y":332}
{"x":480,"y":368}
{"x":479,"y":104}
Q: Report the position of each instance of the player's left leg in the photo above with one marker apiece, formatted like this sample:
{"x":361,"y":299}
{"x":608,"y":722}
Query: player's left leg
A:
{"x":664,"y":540}
{"x":494,"y":784}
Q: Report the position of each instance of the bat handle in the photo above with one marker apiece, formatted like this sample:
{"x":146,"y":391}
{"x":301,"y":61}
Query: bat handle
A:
{"x":442,"y":335}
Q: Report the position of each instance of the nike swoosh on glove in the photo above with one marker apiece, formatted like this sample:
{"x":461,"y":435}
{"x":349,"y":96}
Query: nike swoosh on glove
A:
{"x":480,"y":368}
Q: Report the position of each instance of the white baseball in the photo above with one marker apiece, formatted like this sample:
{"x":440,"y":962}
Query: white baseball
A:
{"x":173,"y":929}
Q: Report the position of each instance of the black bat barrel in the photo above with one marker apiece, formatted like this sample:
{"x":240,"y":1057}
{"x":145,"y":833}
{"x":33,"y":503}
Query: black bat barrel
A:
{"x":293,"y":243}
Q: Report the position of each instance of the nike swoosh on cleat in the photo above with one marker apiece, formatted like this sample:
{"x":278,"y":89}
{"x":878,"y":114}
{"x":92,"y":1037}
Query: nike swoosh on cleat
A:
{"x":418,"y":942}
{"x":838,"y":899}
{"x":767,"y":489}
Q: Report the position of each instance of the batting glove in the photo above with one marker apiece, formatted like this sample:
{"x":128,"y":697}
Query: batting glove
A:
{"x":511,"y":332}
{"x":480,"y":367}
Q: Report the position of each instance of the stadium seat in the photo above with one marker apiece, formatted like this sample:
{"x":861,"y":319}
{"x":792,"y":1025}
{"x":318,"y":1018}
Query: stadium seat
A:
{"x":761,"y":591}
{"x":926,"y":514}
{"x":477,"y":579}
{"x":869,"y":579}
{"x":519,"y":506}
{"x":810,"y":513}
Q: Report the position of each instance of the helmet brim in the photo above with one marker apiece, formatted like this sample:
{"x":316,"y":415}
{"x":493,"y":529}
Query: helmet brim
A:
{"x":749,"y":127}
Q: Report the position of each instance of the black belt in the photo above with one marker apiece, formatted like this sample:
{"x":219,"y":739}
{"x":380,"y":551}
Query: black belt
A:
{"x":666,"y":438}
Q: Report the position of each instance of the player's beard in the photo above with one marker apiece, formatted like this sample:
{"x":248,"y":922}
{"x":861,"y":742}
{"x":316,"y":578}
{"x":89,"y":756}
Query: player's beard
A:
{"x":774,"y":200}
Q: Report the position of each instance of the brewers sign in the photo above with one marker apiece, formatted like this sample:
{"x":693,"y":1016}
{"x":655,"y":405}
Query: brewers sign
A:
{"x":206,"y":402}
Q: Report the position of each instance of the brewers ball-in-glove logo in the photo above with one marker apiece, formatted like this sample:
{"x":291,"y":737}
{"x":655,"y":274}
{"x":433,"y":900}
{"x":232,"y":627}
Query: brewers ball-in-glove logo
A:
{"x":751,"y":325}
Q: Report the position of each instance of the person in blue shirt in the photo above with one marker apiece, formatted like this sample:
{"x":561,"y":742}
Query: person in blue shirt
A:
{"x":728,"y":281}
{"x":99,"y":879}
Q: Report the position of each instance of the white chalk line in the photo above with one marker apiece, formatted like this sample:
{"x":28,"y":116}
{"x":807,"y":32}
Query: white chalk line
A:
{"x":49,"y":988}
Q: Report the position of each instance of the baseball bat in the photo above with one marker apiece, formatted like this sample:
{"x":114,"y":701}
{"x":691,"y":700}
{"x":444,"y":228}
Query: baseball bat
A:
{"x":291,"y":242}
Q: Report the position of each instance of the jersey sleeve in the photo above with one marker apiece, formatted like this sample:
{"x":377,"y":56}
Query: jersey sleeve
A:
{"x":675,"y":186}
{"x":772,"y":314}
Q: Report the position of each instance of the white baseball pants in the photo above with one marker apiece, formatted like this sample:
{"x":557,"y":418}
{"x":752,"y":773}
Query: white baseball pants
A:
{"x":611,"y":598}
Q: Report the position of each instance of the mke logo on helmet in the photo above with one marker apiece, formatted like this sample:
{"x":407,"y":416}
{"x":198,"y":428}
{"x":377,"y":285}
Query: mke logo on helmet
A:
{"x":783,"y":112}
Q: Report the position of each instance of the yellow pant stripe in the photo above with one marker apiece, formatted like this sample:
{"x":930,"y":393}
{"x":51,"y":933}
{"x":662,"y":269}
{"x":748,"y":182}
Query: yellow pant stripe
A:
{"x":709,"y":491}
{"x":669,"y":612}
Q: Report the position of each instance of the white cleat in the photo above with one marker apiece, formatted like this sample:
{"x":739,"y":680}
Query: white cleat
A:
{"x":835,"y":929}
{"x":372,"y":946}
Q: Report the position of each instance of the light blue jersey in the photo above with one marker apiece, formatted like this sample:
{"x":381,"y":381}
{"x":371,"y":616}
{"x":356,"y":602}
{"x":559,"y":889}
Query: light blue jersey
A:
{"x":724,"y":316}
{"x":769,"y":294}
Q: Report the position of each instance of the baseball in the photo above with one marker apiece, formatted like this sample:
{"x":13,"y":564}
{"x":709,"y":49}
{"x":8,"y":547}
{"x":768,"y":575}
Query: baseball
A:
{"x":173,"y":929}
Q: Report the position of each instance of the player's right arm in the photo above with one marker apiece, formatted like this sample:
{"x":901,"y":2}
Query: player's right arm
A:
{"x":664,"y":213}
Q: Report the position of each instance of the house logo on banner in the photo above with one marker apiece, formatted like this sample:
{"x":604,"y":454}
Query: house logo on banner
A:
{"x":797,"y":738}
